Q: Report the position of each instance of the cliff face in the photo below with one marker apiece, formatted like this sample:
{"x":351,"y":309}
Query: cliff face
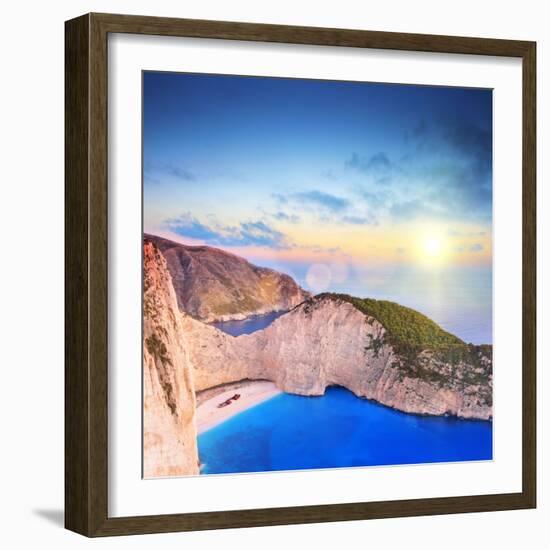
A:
{"x":326,"y":341}
{"x":169,"y":433}
{"x":213,"y":285}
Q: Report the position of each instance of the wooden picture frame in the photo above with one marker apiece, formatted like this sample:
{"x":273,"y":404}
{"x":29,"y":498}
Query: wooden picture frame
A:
{"x":86,"y":282}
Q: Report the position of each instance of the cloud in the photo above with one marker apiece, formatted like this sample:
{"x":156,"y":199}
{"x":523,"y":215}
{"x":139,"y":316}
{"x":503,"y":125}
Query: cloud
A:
{"x":377,"y":162}
{"x":283,"y":216}
{"x":477,"y":247}
{"x":260,"y":234}
{"x":332,"y":203}
{"x":280,"y":198}
{"x":359,"y":220}
{"x":187,"y":226}
{"x":420,"y":129}
{"x":327,"y":208}
{"x":442,"y":170}
{"x":411,"y":209}
{"x":180,"y":173}
{"x":476,"y":144}
{"x":150,"y":180}
{"x":157,"y":173}
{"x":256,"y":233}
{"x":378,"y":166}
{"x":454,"y":233}
{"x":454,"y":158}
{"x":329,"y":175}
{"x":375,"y":200}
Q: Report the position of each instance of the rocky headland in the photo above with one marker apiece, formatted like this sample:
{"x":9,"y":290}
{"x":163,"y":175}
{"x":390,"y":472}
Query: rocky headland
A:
{"x":214,"y":285}
{"x":327,"y":340}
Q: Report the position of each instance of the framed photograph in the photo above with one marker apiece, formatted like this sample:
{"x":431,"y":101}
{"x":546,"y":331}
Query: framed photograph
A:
{"x":300,"y":275}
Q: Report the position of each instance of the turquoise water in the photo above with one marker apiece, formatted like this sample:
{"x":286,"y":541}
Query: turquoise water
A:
{"x":291,"y":432}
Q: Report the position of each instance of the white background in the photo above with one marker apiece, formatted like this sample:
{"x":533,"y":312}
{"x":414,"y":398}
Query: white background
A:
{"x":31,"y":214}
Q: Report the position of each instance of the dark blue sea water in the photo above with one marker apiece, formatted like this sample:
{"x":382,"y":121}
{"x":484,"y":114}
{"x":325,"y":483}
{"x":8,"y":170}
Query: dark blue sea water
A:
{"x":464,"y":310}
{"x":290,"y":432}
{"x":249,"y":325}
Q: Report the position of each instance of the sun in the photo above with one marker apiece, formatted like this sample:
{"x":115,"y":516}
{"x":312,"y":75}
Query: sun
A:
{"x":432,"y":246}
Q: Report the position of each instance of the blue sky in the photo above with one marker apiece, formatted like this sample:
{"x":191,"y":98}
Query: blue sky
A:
{"x":362,"y":178}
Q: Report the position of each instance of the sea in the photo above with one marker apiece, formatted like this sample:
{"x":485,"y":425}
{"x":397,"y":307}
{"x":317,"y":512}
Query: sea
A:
{"x":338,"y":429}
{"x":249,"y":325}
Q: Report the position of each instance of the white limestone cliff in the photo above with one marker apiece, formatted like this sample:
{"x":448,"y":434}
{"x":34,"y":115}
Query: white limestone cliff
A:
{"x":169,"y":432}
{"x":326,"y":341}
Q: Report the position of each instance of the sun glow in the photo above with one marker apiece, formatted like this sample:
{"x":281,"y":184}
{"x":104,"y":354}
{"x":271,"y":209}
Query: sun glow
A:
{"x":432,"y":246}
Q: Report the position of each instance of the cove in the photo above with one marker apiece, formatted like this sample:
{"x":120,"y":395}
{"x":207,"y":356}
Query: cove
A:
{"x":248,"y":325}
{"x":291,"y":432}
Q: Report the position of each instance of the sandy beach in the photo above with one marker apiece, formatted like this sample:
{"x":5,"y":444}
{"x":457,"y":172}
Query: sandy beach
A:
{"x":251,"y":393}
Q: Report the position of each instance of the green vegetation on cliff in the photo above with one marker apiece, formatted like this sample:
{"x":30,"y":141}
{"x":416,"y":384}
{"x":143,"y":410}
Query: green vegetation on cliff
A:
{"x":424,"y":350}
{"x":405,"y":326}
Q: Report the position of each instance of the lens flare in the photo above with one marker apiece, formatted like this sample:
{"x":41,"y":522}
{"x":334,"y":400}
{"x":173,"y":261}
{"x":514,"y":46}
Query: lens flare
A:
{"x":318,"y":277}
